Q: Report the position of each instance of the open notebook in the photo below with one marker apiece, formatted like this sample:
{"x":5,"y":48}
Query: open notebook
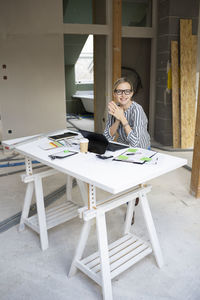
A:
{"x":136,"y":156}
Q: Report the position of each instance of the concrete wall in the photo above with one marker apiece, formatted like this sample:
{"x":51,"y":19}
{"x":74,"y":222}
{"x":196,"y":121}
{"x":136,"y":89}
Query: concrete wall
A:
{"x":100,"y":84}
{"x":136,"y":54}
{"x":32,"y":99}
{"x":169,"y":14}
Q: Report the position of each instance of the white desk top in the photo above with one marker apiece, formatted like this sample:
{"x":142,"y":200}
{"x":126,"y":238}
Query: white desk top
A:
{"x":109,"y":175}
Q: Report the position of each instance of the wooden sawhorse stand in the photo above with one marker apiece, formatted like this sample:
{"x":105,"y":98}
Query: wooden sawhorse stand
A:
{"x":115,"y":258}
{"x":50,"y":217}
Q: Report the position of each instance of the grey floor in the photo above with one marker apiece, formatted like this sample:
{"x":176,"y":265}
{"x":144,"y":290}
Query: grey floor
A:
{"x":26,"y":272}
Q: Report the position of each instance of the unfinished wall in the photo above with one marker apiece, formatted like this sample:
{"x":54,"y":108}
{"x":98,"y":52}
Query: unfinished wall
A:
{"x":169,"y":14}
{"x":136,"y":54}
{"x":31,"y":46}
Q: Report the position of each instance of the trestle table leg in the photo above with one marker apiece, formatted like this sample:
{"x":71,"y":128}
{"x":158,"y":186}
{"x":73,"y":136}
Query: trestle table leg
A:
{"x":129,"y":216}
{"x":83,"y":190}
{"x":81,"y":246}
{"x":151,"y":229}
{"x":104,"y":256}
{"x":41,"y":213}
{"x":69,"y":188}
{"x":27,"y":204}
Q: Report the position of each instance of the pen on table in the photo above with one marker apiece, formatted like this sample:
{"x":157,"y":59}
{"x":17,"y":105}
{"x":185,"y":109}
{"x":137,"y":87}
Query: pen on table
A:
{"x":133,"y":153}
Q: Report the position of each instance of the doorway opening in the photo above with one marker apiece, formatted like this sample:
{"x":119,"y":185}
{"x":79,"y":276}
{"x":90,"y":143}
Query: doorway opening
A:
{"x":79,"y":80}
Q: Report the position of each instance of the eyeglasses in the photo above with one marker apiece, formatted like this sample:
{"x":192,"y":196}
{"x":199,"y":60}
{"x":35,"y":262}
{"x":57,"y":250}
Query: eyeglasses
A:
{"x":120,"y":92}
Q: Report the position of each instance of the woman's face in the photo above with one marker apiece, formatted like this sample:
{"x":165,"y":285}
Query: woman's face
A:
{"x":123,"y":94}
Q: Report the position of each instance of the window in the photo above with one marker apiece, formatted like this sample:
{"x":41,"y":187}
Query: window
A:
{"x":137,"y":13}
{"x":84,"y":64}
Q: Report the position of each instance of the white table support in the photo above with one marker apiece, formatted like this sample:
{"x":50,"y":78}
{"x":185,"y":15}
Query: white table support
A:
{"x":105,"y":264}
{"x":45,"y":218}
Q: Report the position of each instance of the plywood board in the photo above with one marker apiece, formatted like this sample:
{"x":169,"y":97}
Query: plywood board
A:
{"x":188,"y":54}
{"x":175,"y":95}
{"x":195,"y":177}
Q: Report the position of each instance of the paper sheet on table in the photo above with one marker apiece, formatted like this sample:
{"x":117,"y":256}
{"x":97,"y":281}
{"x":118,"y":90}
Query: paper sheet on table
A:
{"x":136,"y":155}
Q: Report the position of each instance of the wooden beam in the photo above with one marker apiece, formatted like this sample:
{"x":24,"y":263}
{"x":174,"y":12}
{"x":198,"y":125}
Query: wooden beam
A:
{"x":188,"y":55}
{"x":195,"y":177}
{"x":138,"y":32}
{"x":117,"y":33}
{"x":86,"y":29}
{"x":175,"y":95}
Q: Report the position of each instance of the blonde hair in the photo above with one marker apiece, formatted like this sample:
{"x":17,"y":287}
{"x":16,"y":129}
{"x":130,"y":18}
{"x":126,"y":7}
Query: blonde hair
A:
{"x":122,"y":80}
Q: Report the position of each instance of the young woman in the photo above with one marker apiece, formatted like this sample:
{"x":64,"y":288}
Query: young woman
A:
{"x":126,"y":117}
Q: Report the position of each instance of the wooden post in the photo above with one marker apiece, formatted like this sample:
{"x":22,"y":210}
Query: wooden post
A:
{"x":175,"y":95}
{"x":195,"y":177}
{"x":117,"y":48}
{"x":188,"y":55}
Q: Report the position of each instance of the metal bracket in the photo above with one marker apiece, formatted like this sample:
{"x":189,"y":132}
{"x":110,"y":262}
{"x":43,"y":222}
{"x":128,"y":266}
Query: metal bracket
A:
{"x":91,"y":196}
{"x":29,"y":170}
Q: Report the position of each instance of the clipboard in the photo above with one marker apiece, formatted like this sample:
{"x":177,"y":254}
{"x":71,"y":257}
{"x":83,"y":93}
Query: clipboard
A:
{"x":63,"y":154}
{"x":136,"y":156}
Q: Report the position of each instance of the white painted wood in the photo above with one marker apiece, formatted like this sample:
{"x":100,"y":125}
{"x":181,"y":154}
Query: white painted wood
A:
{"x":29,"y":178}
{"x":129,"y":216}
{"x":127,"y":254}
{"x":11,"y":144}
{"x":54,"y":216}
{"x":69,"y":188}
{"x":83,"y":190}
{"x":124,"y":240}
{"x":88,"y":272}
{"x":80,"y":248}
{"x":41,"y":213}
{"x":124,"y":266}
{"x":103,"y":251}
{"x":28,"y":163}
{"x":123,"y":254}
{"x":27,"y":204}
{"x":92,"y":196}
{"x":31,"y":223}
{"x":116,"y":201}
{"x":116,"y":253}
{"x":107,"y":177}
{"x":151,"y":229}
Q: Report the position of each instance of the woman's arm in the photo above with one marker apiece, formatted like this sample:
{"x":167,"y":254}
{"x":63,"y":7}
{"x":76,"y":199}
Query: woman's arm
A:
{"x":139,"y":136}
{"x":118,"y":113}
{"x":114,"y":127}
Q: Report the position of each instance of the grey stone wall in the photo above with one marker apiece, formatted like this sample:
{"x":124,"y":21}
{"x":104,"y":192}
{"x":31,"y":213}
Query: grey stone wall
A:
{"x":169,"y":14}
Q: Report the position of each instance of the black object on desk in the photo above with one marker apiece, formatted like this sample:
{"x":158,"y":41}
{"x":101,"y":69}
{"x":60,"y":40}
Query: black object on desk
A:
{"x":61,"y":136}
{"x":62,"y":154}
{"x":98,"y":143}
{"x":104,"y":156}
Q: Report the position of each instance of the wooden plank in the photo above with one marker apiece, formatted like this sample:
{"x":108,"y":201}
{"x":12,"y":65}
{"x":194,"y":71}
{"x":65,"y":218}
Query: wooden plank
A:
{"x":188,"y":53}
{"x":195,"y":177}
{"x":117,"y":48}
{"x":175,"y":95}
